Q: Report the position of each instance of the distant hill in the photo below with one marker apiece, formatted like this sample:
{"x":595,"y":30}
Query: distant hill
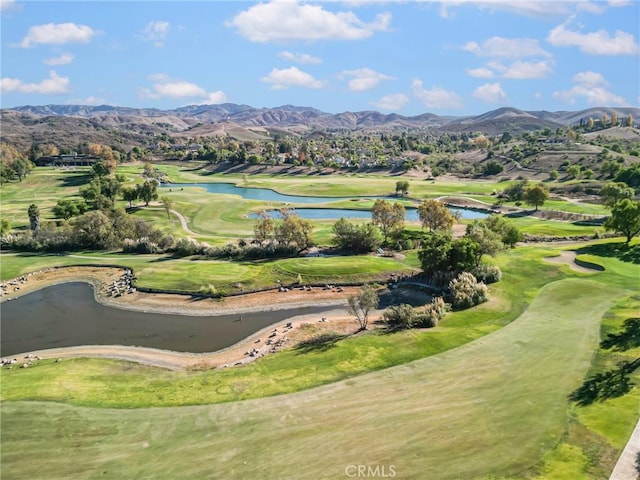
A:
{"x":132,"y":126}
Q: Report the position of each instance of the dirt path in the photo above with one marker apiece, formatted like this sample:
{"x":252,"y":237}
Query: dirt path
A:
{"x":625,"y":468}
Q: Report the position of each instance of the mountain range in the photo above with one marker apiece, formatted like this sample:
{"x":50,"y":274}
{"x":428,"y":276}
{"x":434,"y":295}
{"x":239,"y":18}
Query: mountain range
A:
{"x":27,"y":124}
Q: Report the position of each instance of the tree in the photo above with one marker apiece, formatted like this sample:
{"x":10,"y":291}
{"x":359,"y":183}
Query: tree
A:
{"x":516,"y":191}
{"x":625,"y":218}
{"x":488,"y":241}
{"x":99,"y":169}
{"x":167,"y":203}
{"x":388,"y":216}
{"x":493,"y":168}
{"x":34,"y":216}
{"x":264,"y":227}
{"x":508,"y":232}
{"x":148,"y":191}
{"x":67,"y":208}
{"x":536,"y":195}
{"x":613,"y":192}
{"x":630,"y":121}
{"x":402,"y":186}
{"x":574,"y":171}
{"x":435,"y":215}
{"x":434,"y":254}
{"x":129,"y":194}
{"x":361,"y":304}
{"x":295,"y":231}
{"x":356,"y":238}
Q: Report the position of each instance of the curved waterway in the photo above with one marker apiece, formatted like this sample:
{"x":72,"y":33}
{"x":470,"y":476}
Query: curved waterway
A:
{"x":269,"y":195}
{"x":264,"y":194}
{"x":68,"y":315}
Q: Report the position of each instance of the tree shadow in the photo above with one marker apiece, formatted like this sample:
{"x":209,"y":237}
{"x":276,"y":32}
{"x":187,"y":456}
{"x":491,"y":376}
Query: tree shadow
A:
{"x":75,"y":180}
{"x":321,"y":343}
{"x":619,"y":250}
{"x":628,"y":338}
{"x":602,"y":386}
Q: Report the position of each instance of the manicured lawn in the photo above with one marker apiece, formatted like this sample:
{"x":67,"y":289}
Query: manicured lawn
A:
{"x":492,"y":406}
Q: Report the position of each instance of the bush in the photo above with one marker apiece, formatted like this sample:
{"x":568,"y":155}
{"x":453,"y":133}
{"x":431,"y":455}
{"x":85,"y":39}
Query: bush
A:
{"x":399,"y":316}
{"x":487,"y":273}
{"x":431,"y":313}
{"x":187,"y":247}
{"x":466,"y":291}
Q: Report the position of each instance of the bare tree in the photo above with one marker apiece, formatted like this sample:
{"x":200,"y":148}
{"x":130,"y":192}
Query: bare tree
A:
{"x":167,"y":203}
{"x":361,"y":304}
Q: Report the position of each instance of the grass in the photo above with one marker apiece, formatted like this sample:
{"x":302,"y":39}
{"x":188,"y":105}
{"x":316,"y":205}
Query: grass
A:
{"x":495,"y":415}
{"x":482,"y":395}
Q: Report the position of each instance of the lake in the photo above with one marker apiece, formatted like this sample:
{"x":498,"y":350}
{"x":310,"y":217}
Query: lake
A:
{"x":269,"y":195}
{"x":68,"y":315}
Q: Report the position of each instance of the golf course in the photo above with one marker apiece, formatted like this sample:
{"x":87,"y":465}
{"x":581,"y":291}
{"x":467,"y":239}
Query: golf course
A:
{"x":502,"y":390}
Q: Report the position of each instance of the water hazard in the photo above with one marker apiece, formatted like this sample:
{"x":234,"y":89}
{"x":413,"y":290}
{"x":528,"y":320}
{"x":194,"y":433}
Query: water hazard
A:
{"x":68,"y":315}
{"x":269,"y":195}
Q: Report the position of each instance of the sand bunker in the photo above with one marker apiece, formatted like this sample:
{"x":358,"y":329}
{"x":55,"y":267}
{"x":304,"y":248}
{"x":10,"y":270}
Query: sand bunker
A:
{"x":568,"y":257}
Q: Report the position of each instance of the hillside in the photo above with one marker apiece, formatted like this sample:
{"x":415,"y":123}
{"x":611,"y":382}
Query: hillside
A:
{"x":72,"y":124}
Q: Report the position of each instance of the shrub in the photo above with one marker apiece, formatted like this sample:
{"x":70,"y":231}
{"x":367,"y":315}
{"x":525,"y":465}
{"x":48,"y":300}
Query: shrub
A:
{"x":187,"y":247}
{"x":487,"y":273}
{"x":399,"y":316}
{"x":140,"y":245}
{"x":431,"y":313}
{"x":466,"y":291}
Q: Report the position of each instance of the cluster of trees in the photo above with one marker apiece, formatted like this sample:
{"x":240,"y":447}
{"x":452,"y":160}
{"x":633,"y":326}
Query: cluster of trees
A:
{"x":92,"y":221}
{"x":13,"y":164}
{"x":290,"y":231}
{"x":442,"y":257}
{"x":98,"y":229}
{"x":534,"y":195}
{"x":625,"y":211}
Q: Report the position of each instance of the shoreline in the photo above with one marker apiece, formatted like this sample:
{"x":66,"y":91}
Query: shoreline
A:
{"x":245,"y":351}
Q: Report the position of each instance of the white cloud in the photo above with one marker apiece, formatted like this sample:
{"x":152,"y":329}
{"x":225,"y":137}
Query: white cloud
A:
{"x":522,"y":70}
{"x":500,"y":47}
{"x":364,"y":79}
{"x":7,"y":5}
{"x":592,"y":87}
{"x":49,"y":86}
{"x":590,"y":79}
{"x":57,"y":34}
{"x":619,"y":3}
{"x":287,"y":20}
{"x":490,"y":93}
{"x":166,"y":87}
{"x":156,"y":32}
{"x":436,"y":97}
{"x":529,"y":8}
{"x":90,"y":100}
{"x":303,"y":58}
{"x":216,"y":97}
{"x":594,"y":43}
{"x":479,"y":72}
{"x":393,"y":102}
{"x":291,"y":77}
{"x":64,"y":59}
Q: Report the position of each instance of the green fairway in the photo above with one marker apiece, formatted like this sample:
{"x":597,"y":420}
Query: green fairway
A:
{"x":490,"y":407}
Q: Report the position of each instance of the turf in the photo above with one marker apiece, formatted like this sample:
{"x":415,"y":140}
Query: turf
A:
{"x":490,"y":407}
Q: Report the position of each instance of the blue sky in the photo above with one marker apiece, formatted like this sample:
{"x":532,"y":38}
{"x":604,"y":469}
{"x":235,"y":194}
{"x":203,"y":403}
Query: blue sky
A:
{"x":449,"y":57}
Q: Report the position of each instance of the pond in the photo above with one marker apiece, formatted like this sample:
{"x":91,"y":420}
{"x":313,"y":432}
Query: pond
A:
{"x":269,"y":195}
{"x":336,"y":213}
{"x":264,"y":194}
{"x":68,"y":315}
